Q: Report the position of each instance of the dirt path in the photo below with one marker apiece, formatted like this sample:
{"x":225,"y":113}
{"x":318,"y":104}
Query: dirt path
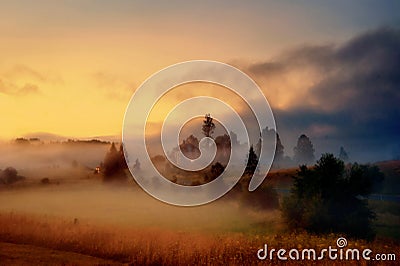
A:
{"x":13,"y":254}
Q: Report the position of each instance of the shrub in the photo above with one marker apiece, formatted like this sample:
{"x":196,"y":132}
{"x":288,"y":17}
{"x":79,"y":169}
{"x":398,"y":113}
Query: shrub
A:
{"x":45,"y":181}
{"x":114,"y":164}
{"x":327,"y":198}
{"x":10,"y":176}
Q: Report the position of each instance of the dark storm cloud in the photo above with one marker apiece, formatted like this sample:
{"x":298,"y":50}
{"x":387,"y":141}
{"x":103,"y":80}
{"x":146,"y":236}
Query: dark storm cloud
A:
{"x":357,"y":91}
{"x":314,"y":55}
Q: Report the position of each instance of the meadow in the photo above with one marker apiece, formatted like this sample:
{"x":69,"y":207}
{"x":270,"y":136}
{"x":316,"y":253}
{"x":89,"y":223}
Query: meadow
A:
{"x":122,"y":224}
{"x":88,"y":221}
{"x":156,"y":246}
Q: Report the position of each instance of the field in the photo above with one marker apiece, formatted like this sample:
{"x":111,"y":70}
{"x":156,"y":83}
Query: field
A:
{"x":78,"y":215}
{"x":160,"y":246}
{"x":119,"y":224}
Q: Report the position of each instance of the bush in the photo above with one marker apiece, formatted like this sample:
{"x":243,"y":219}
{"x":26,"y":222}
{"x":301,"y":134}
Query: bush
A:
{"x":216,"y":170}
{"x":10,"y":176}
{"x":327,"y":199}
{"x":114,"y":165}
{"x":45,"y":181}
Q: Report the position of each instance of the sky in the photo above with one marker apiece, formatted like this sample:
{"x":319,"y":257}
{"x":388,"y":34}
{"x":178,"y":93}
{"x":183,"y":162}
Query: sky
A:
{"x":328,"y":68}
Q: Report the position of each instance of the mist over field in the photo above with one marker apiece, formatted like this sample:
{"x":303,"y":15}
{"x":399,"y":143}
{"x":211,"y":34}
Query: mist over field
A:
{"x":129,"y":207}
{"x":36,"y":156}
{"x":78,"y":196}
{"x":111,"y":108}
{"x":74,"y":191}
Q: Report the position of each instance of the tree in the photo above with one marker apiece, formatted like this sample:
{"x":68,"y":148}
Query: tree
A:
{"x":114,"y":164}
{"x":251,"y":167}
{"x":216,"y":170}
{"x":223,"y":142}
{"x":252,"y":163}
{"x":278,"y":150}
{"x":343,"y":155}
{"x":10,"y":176}
{"x":190,"y":147}
{"x":208,"y":125}
{"x":223,"y":149}
{"x":264,"y":197}
{"x":365,"y":179}
{"x":304,"y":151}
{"x":22,"y":141}
{"x":326,"y":199}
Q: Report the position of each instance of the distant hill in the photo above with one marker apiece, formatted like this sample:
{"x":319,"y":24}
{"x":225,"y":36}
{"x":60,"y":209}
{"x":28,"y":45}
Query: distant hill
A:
{"x":44,"y":136}
{"x":48,"y":137}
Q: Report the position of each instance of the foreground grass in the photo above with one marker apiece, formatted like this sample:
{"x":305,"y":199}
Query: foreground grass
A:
{"x":18,"y":254}
{"x":162,"y":246}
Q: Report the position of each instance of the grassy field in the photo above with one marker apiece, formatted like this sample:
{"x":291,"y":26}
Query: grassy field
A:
{"x":113,"y":224}
{"x":19,"y":254}
{"x":161,"y":246}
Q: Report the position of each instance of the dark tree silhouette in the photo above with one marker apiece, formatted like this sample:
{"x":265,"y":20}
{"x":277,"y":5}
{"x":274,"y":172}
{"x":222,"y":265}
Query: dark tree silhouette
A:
{"x":304,"y":151}
{"x":208,"y":125}
{"x":216,"y":170}
{"x":22,"y":141}
{"x":10,"y":176}
{"x":190,"y":147}
{"x":278,"y":150}
{"x":223,"y":142}
{"x":114,"y":164}
{"x":252,"y":162}
{"x":327,"y":199}
{"x":343,"y":155}
{"x":223,"y":149}
{"x":45,"y":181}
{"x":263,"y":198}
{"x":251,"y":167}
{"x":365,"y":179}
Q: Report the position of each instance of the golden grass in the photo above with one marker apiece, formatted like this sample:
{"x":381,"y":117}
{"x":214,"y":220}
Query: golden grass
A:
{"x":162,"y":246}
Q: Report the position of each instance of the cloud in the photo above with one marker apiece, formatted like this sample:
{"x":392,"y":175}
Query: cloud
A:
{"x":348,"y":92}
{"x":22,"y":71}
{"x":10,"y":88}
{"x":113,"y":86}
{"x":28,"y":89}
{"x":22,"y":80}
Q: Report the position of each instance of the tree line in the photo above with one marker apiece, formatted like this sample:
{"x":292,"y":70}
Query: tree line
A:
{"x":328,"y":196}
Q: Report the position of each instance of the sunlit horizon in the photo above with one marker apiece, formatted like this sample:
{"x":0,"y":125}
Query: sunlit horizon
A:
{"x":70,"y":68}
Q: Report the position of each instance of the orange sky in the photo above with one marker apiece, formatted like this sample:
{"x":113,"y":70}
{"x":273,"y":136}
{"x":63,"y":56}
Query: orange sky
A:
{"x":70,"y":67}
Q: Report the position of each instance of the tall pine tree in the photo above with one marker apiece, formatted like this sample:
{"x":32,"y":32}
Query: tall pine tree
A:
{"x":304,"y":151}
